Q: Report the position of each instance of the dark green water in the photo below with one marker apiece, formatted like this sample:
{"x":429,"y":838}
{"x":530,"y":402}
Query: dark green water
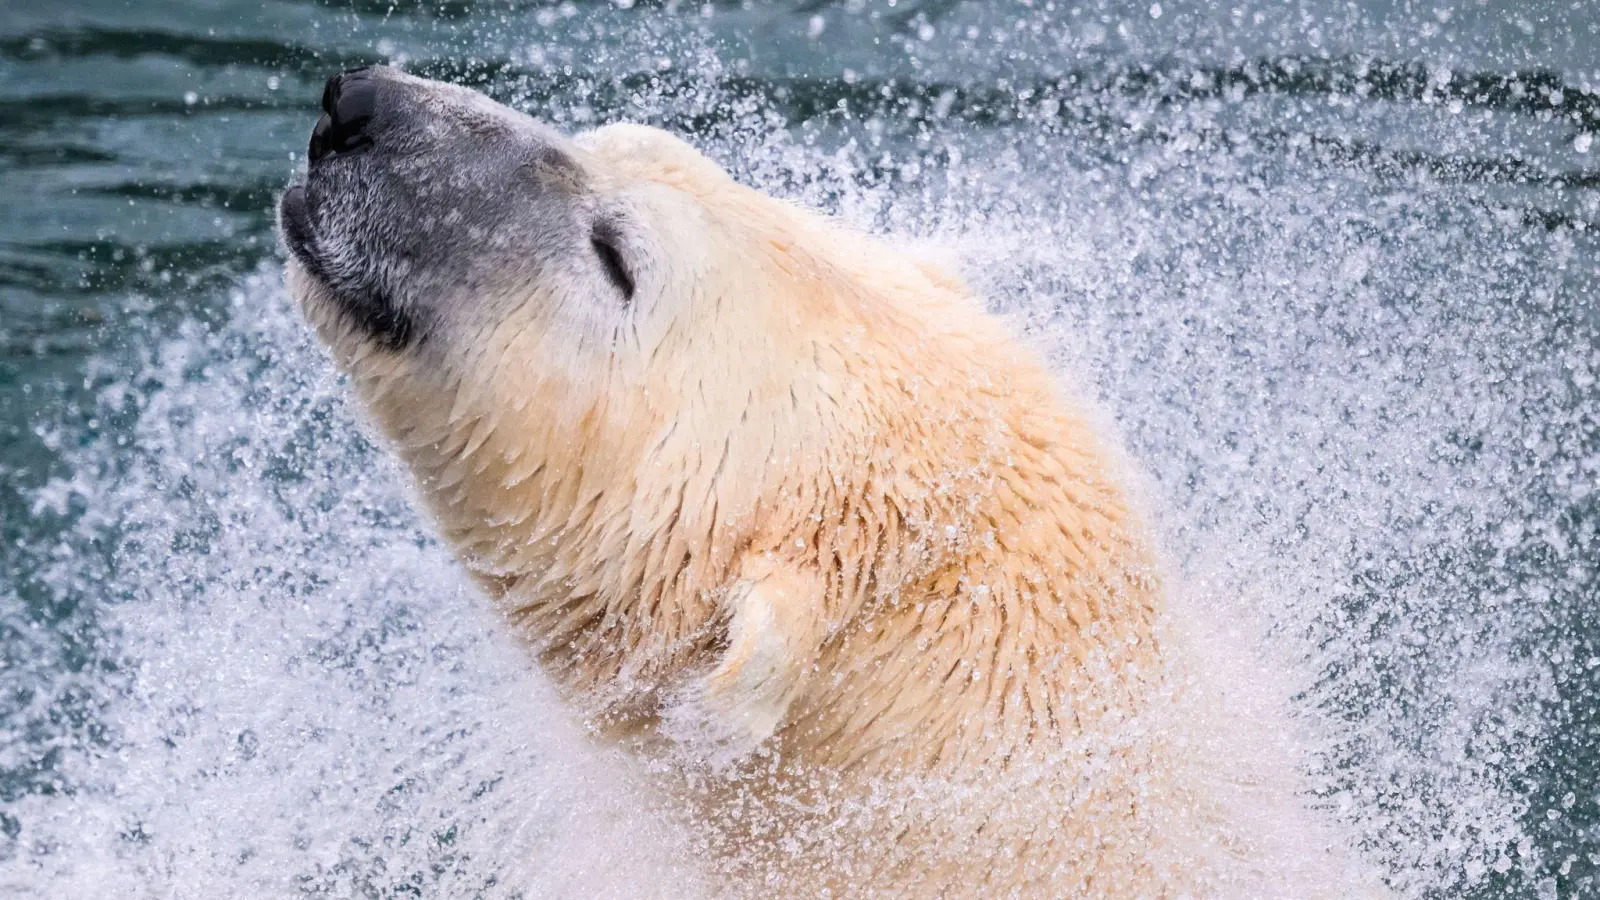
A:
{"x":1331,"y":269}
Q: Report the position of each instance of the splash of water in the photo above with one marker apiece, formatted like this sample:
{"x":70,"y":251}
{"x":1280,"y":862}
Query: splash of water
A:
{"x":306,"y":696}
{"x":1363,"y":405}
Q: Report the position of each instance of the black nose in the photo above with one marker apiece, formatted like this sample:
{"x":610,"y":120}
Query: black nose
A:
{"x":348,"y":104}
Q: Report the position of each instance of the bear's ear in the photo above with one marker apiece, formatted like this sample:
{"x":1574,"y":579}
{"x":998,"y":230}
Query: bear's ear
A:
{"x":775,"y":632}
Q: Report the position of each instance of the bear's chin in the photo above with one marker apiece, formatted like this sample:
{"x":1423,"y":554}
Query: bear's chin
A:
{"x":365,"y":310}
{"x":294,"y":221}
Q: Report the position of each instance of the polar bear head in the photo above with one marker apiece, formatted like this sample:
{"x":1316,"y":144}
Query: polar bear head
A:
{"x":675,"y":424}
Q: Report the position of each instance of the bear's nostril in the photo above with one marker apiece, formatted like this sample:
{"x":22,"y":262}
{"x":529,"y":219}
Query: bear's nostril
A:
{"x":357,"y":100}
{"x":331,"y":90}
{"x":348,"y":101}
{"x":319,"y":138}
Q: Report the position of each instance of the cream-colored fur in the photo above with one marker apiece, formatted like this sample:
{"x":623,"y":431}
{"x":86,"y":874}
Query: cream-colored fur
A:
{"x":812,"y":533}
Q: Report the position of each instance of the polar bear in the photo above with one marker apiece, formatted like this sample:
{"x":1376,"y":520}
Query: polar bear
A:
{"x":778,"y":507}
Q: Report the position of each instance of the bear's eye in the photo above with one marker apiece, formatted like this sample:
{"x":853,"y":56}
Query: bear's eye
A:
{"x":605,"y":249}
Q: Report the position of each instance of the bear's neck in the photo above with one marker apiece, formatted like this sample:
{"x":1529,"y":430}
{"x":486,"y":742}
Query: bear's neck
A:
{"x":978,"y":552}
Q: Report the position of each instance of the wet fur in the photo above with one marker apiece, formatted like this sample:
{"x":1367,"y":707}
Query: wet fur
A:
{"x":813,"y":534}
